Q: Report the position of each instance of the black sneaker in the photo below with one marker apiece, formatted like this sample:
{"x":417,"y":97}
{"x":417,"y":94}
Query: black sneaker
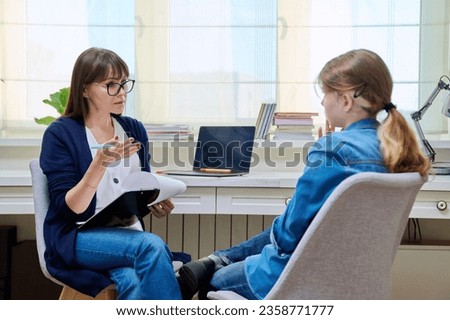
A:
{"x":194,"y":275}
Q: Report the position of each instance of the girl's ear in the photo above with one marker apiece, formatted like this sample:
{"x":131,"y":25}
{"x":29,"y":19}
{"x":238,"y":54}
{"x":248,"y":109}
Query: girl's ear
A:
{"x":347,"y":101}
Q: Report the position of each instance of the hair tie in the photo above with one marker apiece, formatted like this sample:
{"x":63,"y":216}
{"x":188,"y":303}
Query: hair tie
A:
{"x":389,"y":106}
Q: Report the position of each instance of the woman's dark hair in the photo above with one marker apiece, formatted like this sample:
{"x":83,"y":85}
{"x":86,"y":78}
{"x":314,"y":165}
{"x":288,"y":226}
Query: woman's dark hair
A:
{"x":93,"y":65}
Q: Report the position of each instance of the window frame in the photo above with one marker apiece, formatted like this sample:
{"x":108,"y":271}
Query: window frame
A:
{"x":289,"y":92}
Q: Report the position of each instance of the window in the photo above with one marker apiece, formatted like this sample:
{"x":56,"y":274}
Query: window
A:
{"x":42,"y":39}
{"x":215,"y":61}
{"x":208,"y":61}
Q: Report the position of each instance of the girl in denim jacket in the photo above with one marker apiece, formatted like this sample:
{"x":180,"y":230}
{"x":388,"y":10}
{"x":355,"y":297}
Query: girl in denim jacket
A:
{"x":356,"y":86}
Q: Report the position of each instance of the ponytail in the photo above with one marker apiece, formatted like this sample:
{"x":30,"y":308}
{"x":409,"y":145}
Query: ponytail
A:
{"x":399,"y":146}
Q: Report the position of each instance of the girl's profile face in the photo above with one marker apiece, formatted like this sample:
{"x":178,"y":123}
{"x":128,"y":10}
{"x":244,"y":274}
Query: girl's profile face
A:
{"x":333,"y":104}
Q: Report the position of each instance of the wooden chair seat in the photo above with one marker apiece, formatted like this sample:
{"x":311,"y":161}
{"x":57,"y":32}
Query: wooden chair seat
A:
{"x":109,"y":293}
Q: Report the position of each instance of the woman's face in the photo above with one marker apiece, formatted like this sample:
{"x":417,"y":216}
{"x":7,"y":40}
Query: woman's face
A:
{"x":100,"y":101}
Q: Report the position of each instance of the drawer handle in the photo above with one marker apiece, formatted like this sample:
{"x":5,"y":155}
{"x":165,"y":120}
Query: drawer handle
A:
{"x":287,"y":200}
{"x":441,"y":205}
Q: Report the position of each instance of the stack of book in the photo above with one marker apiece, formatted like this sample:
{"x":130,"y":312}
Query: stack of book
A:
{"x":294,"y":125}
{"x":264,"y":121}
{"x":168,"y":131}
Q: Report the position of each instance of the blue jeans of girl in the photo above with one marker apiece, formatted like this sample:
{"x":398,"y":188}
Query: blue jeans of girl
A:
{"x":139,"y":263}
{"x":232,"y":277}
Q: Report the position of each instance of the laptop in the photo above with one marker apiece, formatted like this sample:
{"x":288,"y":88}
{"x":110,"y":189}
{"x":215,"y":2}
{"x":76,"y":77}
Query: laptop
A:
{"x":221,"y":151}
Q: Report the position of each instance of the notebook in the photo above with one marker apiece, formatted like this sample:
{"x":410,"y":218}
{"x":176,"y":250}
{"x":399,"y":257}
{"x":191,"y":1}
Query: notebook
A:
{"x":138,"y":191}
{"x":221,"y":151}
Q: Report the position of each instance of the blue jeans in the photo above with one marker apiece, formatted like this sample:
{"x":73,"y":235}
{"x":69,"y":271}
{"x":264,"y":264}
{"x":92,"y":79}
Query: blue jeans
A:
{"x":139,"y":263}
{"x":232,"y":277}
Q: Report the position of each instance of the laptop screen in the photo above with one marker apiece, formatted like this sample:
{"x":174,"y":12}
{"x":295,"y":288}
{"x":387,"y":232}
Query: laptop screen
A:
{"x":225,"y":147}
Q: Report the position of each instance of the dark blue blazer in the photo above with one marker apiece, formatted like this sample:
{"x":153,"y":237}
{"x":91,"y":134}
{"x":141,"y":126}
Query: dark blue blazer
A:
{"x":65,"y":157}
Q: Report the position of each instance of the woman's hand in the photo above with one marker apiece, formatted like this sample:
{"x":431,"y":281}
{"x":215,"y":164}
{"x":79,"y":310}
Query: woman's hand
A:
{"x":162,"y":208}
{"x":328,"y":129}
{"x":115,"y":150}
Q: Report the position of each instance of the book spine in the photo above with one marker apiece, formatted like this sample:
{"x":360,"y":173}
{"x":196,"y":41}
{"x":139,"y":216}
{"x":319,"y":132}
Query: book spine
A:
{"x":287,"y":121}
{"x":264,"y":120}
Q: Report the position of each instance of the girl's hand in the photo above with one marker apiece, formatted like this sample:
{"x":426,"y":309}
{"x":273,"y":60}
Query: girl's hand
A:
{"x":328,"y":129}
{"x":162,"y":208}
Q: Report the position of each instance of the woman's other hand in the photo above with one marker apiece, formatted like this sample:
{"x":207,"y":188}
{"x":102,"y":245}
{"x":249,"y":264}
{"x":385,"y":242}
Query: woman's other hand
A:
{"x":162,"y":208}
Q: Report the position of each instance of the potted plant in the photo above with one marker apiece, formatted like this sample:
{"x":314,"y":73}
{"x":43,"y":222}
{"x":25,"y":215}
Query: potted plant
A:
{"x":58,"y":100}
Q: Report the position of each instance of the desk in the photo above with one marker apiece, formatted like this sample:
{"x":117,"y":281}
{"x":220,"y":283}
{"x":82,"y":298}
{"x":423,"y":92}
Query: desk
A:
{"x":258,"y":193}
{"x":263,"y":192}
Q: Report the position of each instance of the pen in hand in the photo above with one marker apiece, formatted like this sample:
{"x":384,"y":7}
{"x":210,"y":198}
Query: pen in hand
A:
{"x":109,"y":145}
{"x":101,"y":146}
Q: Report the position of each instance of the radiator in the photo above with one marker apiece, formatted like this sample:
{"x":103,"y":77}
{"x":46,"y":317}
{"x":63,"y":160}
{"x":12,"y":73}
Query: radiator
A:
{"x":201,"y":234}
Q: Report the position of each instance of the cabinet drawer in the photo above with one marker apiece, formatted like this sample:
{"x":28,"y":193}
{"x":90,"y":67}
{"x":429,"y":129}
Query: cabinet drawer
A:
{"x":16,"y":200}
{"x":431,"y":205}
{"x":196,"y":200}
{"x":252,"y":200}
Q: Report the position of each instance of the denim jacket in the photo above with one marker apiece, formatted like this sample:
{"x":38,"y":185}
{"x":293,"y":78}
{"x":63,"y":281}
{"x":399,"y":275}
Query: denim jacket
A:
{"x":332,"y":159}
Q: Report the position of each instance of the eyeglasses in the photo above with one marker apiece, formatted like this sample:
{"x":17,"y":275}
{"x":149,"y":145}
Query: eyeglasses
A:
{"x":113,"y":88}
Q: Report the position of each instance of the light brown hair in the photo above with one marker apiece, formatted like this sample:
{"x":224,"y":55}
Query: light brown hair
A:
{"x":366,"y":73}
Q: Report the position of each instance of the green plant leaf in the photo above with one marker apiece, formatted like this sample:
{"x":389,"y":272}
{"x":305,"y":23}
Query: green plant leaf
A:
{"x":45,"y":121}
{"x":63,"y":97}
{"x":54,"y":103}
{"x":58,"y":100}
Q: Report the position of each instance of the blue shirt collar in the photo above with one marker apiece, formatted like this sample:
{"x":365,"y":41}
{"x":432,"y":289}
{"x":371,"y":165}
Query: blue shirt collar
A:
{"x":368,"y":123}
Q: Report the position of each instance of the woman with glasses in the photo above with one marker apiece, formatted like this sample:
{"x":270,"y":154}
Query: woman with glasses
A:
{"x":85,"y":154}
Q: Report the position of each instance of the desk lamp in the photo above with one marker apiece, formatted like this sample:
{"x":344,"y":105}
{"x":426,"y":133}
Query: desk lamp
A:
{"x":441,"y":168}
